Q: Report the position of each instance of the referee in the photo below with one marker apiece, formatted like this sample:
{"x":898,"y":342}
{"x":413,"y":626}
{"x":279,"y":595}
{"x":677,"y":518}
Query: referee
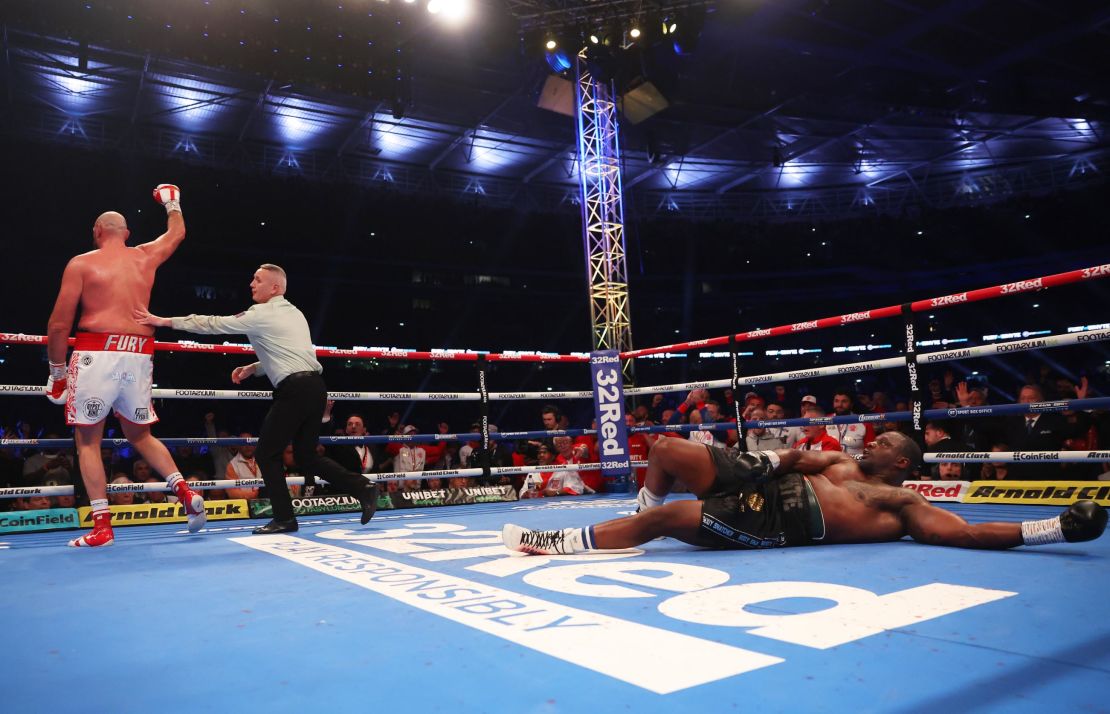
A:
{"x":279,"y":334}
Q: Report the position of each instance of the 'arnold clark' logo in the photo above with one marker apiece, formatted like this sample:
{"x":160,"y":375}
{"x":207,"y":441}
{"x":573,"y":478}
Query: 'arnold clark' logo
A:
{"x":521,"y":602}
{"x":1021,"y":286}
{"x":799,"y":326}
{"x":759,"y":333}
{"x":948,"y":300}
{"x":855,"y":317}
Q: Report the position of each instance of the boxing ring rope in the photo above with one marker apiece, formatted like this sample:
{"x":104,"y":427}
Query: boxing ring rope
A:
{"x":887,"y":363}
{"x":232,"y":348}
{"x":1048,"y":281}
{"x":207,"y":485}
{"x":960,"y":457}
{"x":963,"y":457}
{"x":1016,"y":457}
{"x":469,"y":355}
{"x":1023,"y":345}
{"x":950,"y":413}
{"x":1021,"y":286}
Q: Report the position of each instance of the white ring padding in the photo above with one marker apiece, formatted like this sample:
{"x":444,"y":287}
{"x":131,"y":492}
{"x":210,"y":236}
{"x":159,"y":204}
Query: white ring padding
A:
{"x":1014,"y":457}
{"x":21,"y":491}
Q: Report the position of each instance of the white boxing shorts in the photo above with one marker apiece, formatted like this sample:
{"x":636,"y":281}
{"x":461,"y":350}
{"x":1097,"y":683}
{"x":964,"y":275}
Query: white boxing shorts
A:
{"x":110,"y":371}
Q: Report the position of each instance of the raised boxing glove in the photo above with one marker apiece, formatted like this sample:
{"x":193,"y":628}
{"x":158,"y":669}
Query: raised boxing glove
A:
{"x":169,"y":196}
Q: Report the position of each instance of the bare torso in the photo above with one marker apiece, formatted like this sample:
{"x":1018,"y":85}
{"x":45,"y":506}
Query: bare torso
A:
{"x":116,"y":280}
{"x":858,"y":509}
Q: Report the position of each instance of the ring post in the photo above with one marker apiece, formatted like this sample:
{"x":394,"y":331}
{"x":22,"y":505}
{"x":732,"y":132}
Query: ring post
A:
{"x":917,"y":392}
{"x":483,"y":420}
{"x":740,"y":428}
{"x":612,"y":433}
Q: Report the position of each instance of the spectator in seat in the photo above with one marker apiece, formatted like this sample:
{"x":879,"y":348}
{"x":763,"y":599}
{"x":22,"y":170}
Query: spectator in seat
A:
{"x":159,"y":496}
{"x":140,"y":471}
{"x":783,"y":434}
{"x":551,"y":416}
{"x":938,"y":439}
{"x":356,"y":458}
{"x":763,"y":438}
{"x":851,"y":437}
{"x":816,"y":437}
{"x":48,"y":464}
{"x":126,"y":498}
{"x":32,"y":503}
{"x":998,"y":470}
{"x":949,"y":471}
{"x":1035,"y":432}
{"x":242,"y":467}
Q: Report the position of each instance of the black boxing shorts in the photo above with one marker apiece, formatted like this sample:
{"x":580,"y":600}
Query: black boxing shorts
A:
{"x":779,"y":513}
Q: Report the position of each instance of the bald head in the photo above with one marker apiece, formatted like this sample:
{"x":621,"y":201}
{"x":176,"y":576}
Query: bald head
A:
{"x":110,"y":220}
{"x":907,"y":448}
{"x":109,"y":225}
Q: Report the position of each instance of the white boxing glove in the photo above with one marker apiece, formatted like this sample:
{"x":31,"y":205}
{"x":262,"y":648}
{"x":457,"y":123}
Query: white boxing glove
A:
{"x":169,"y":196}
{"x":56,"y":387}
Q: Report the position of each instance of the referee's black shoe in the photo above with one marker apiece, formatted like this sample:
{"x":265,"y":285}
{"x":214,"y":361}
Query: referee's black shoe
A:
{"x":276,"y":526}
{"x":368,"y":499}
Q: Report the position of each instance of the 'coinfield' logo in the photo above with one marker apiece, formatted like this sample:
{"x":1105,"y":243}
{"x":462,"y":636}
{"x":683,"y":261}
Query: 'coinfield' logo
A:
{"x":39,"y":520}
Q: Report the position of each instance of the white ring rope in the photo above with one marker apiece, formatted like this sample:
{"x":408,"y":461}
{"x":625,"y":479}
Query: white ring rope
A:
{"x":887,"y":363}
{"x":842,"y":369}
{"x":1016,"y":457}
{"x":66,"y":490}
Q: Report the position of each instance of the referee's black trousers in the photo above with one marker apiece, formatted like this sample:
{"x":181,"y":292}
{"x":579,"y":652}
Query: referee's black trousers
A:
{"x":295,"y":415}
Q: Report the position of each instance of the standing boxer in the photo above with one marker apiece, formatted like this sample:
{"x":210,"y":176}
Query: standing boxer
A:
{"x":279,"y":334}
{"x":111,"y":363}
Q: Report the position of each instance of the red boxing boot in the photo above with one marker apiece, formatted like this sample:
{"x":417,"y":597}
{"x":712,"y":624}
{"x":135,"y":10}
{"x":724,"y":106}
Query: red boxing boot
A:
{"x":100,"y":535}
{"x":193,"y":505}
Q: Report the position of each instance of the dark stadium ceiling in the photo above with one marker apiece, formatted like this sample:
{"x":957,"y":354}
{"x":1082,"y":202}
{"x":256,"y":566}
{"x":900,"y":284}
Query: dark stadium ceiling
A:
{"x":784,"y":108}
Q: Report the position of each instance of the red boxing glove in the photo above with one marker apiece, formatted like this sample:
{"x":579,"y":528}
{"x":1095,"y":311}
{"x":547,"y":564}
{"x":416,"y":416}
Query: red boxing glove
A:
{"x":169,"y":196}
{"x":56,"y":385}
